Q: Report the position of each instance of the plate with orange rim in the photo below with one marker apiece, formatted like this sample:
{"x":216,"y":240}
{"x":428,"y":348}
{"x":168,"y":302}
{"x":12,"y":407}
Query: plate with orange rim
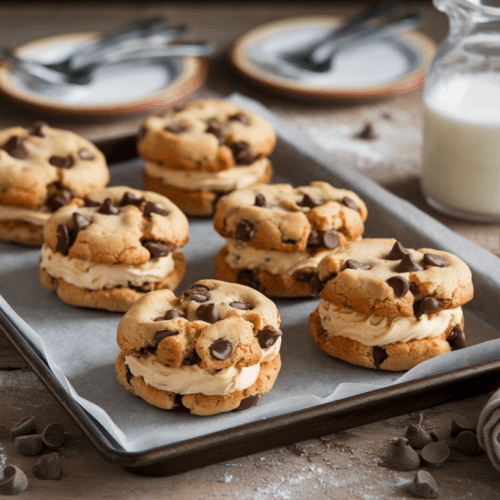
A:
{"x":118,"y":89}
{"x":392,"y":65}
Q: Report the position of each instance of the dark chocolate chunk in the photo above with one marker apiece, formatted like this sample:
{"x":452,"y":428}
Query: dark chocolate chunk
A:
{"x":434,"y":436}
{"x":86,"y":155}
{"x":260,"y":201}
{"x":176,"y":128}
{"x":196,"y":294}
{"x":48,"y":467}
{"x":354,"y":264}
{"x":201,"y":288}
{"x":156,"y":248}
{"x":242,"y":153}
{"x":129,"y":376}
{"x":147,"y":350}
{"x":208,"y":313}
{"x":107,"y":208}
{"x":434,"y":455}
{"x":399,"y":285}
{"x":350,"y":203}
{"x":178,"y":404}
{"x":216,"y":128}
{"x":30,"y":445}
{"x":249,"y":278}
{"x":414,"y":289}
{"x":315,"y":239}
{"x":408,"y":265}
{"x":397,"y":252}
{"x":367,"y":133}
{"x":163,"y":334}
{"x":14,"y":481}
{"x":221,"y":349}
{"x":331,"y":239}
{"x":130,"y":199}
{"x":379,"y":356}
{"x":431,"y":259}
{"x":25,"y":426}
{"x":248,"y":402}
{"x":267,"y":337}
{"x":456,"y":338}
{"x":402,"y":456}
{"x":417,"y":436}
{"x":91,"y":203}
{"x":63,"y":239}
{"x":316,"y":285}
{"x":245,"y":230}
{"x":309,"y":202}
{"x":466,"y":443}
{"x":459,"y":423}
{"x":53,"y":436}
{"x":62,"y":161}
{"x":15,"y":147}
{"x":171,"y":314}
{"x":141,"y":133}
{"x":244,"y":306}
{"x":80,"y":221}
{"x":426,"y":306}
{"x":192,"y":359}
{"x":37,"y":129}
{"x":303,"y":276}
{"x":154,"y":208}
{"x":59,"y":199}
{"x":240,"y":117}
{"x":424,"y":486}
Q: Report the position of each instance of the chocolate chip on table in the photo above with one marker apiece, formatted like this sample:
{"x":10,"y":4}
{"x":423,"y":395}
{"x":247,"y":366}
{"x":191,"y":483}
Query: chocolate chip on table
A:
{"x":196,"y":293}
{"x":434,"y":455}
{"x":431,"y":259}
{"x":402,"y":456}
{"x":408,"y":265}
{"x":215,"y":127}
{"x":379,"y":356}
{"x":171,"y":314}
{"x":248,"y":402}
{"x":107,"y":208}
{"x":62,"y":161}
{"x":468,"y":444}
{"x":354,"y":264}
{"x":80,"y":221}
{"x":366,"y":133}
{"x":399,"y":285}
{"x":434,"y":436}
{"x":37,"y":129}
{"x":176,"y":128}
{"x":303,"y":276}
{"x":248,"y":278}
{"x":244,"y":306}
{"x":91,"y":203}
{"x":417,"y":436}
{"x":424,"y":485}
{"x":459,"y":423}
{"x":260,"y":201}
{"x":397,"y":252}
{"x":154,"y":208}
{"x":240,"y":117}
{"x":63,"y":239}
{"x":207,"y":313}
{"x":428,"y":305}
{"x":53,"y":436}
{"x":242,"y":153}
{"x":85,"y":154}
{"x":245,"y":230}
{"x":163,"y":334}
{"x":25,"y":426}
{"x":15,"y":147}
{"x":30,"y":445}
{"x":309,"y":202}
{"x":130,"y":199}
{"x":48,"y":467}
{"x":14,"y":481}
{"x":456,"y":338}
{"x":192,"y":359}
{"x":59,"y":199}
{"x":267,"y":337}
{"x":221,"y":349}
{"x":156,"y":248}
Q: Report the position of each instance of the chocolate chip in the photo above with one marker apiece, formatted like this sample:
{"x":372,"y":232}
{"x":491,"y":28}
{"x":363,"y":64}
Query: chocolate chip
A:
{"x":178,"y":404}
{"x":156,"y":248}
{"x":309,"y":202}
{"x":434,"y":436}
{"x":431,"y":259}
{"x":201,"y":288}
{"x":216,"y":128}
{"x":80,"y":222}
{"x":178,"y":108}
{"x":91,"y":203}
{"x":249,"y":278}
{"x":456,"y":338}
{"x":303,"y":276}
{"x":417,"y":436}
{"x":86,"y":155}
{"x":466,"y":443}
{"x":242,"y":153}
{"x":331,"y":239}
{"x":379,"y":356}
{"x":245,"y":230}
{"x":354,"y":264}
{"x":244,"y":306}
{"x":130,"y":199}
{"x":399,"y":285}
{"x":63,"y":239}
{"x":459,"y":423}
{"x":147,"y":350}
{"x":14,"y":481}
{"x":37,"y":129}
{"x":426,"y":306}
{"x":350,"y":203}
{"x":25,"y":426}
{"x":316,"y":285}
{"x":408,"y":265}
{"x":424,"y":485}
{"x":15,"y":147}
{"x":315,"y":239}
{"x":397,"y":252}
{"x":53,"y":436}
{"x":240,"y":117}
{"x":171,"y":314}
{"x":267,"y":337}
{"x":367,"y":133}
{"x":221,"y":349}
{"x":107,"y":208}
{"x":434,"y":455}
{"x":29,"y":445}
{"x":414,"y":289}
{"x":59,"y":199}
{"x":260,"y":201}
{"x":141,"y":133}
{"x":248,"y":402}
{"x":62,"y":161}
{"x":208,"y":313}
{"x":154,"y":208}
{"x":129,"y":376}
{"x":192,"y":359}
{"x":163,"y":334}
{"x":196,"y":294}
{"x":403,"y":456}
{"x":176,"y":128}
{"x":48,"y":467}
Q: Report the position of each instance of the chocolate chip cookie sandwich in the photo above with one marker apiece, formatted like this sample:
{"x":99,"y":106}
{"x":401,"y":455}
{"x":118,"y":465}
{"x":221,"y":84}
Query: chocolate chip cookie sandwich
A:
{"x":202,"y":150}
{"x":388,"y":307}
{"x":213,"y":349}
{"x":112,"y":248}
{"x":42,"y":169}
{"x":277,"y":234}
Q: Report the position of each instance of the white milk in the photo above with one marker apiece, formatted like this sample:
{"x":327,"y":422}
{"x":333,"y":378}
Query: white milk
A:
{"x":462,"y":146}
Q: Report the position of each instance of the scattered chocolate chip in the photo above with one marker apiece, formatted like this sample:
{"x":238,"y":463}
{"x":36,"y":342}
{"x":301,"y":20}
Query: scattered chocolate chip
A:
{"x":434,"y":436}
{"x":130,"y":199}
{"x":244,"y":306}
{"x":25,"y":426}
{"x":248,"y":402}
{"x":350,"y":203}
{"x":15,"y":147}
{"x":156,"y":248}
{"x":196,"y":294}
{"x":267,"y":337}
{"x":29,"y":445}
{"x":91,"y":203}
{"x":59,"y":199}
{"x":48,"y":467}
{"x":403,"y":456}
{"x":367,"y":133}
{"x":249,"y":278}
{"x":245,"y":230}
{"x":221,"y":349}
{"x":242,"y":153}
{"x":80,"y":221}
{"x":14,"y":481}
{"x":397,"y":252}
{"x":208,"y":313}
{"x":163,"y":334}
{"x":260,"y":201}
{"x":171,"y":314}
{"x":408,"y":265}
{"x":466,"y":443}
{"x":431,"y":259}
{"x":424,"y":485}
{"x":303,"y":276}
{"x":426,"y":306}
{"x":129,"y":376}
{"x":354,"y":264}
{"x":459,"y":423}
{"x":240,"y":117}
{"x":63,"y":239}
{"x":379,"y":356}
{"x":309,"y":202}
{"x":107,"y":208}
{"x":176,"y":128}
{"x":399,"y":285}
{"x":62,"y":161}
{"x":331,"y":239}
{"x":53,"y":436}
{"x":154,"y":208}
{"x":192,"y":359}
{"x":456,"y":338}
{"x":434,"y":455}
{"x":216,"y":128}
{"x":86,"y":155}
{"x":417,"y":436}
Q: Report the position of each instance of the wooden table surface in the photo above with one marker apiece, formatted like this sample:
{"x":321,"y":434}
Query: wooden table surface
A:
{"x":347,"y":465}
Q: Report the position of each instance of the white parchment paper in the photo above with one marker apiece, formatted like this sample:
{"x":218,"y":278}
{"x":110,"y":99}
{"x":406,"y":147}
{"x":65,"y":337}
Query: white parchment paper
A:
{"x":80,"y":344}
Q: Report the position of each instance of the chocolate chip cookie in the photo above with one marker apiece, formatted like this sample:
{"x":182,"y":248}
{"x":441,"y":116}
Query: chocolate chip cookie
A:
{"x":108,"y":250}
{"x":41,"y":170}
{"x":277,"y":234}
{"x":389,"y":307}
{"x":213,"y":349}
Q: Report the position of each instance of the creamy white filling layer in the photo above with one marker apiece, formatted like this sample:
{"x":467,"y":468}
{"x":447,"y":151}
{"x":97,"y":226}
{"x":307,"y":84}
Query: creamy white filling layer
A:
{"x":382,"y":330}
{"x":35,"y":217}
{"x":94,"y":276}
{"x":195,"y":380}
{"x":225,"y":180}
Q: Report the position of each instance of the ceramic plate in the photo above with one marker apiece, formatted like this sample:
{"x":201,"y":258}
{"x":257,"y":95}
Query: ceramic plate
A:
{"x":122,"y":88}
{"x":380,"y":68}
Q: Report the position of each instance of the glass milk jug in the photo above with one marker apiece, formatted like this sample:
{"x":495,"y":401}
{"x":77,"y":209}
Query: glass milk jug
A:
{"x":461,"y":172}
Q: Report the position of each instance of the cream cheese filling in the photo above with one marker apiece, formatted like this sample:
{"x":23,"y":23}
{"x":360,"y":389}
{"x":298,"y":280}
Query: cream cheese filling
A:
{"x":275,"y":262}
{"x":195,"y":380}
{"x":95,"y":276}
{"x":30,"y":215}
{"x":382,"y":330}
{"x":225,"y":180}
